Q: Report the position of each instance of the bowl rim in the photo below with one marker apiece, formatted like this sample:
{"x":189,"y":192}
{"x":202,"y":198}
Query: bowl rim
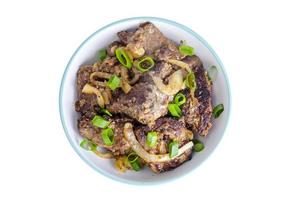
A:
{"x":143,"y":18}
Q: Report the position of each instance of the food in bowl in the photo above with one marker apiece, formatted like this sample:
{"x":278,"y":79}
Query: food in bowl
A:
{"x":145,"y":101}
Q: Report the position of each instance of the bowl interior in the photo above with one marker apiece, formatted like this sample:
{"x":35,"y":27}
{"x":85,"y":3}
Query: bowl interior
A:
{"x":87,"y":53}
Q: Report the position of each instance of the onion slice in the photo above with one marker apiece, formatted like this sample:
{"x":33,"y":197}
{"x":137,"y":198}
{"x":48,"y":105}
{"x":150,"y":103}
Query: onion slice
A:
{"x":141,"y":152}
{"x":180,"y":64}
{"x":88,"y":89}
{"x":174,"y":85}
{"x":103,"y":155}
{"x":126,"y":87}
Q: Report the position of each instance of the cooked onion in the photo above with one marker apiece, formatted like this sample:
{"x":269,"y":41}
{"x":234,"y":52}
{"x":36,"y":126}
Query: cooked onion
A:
{"x":180,"y":64}
{"x":126,"y":87}
{"x":174,"y":85}
{"x":121,"y":163}
{"x":108,"y":93}
{"x":88,"y":89}
{"x":100,"y":75}
{"x":105,"y":97}
{"x":141,"y":152}
{"x":135,"y":50}
{"x":103,"y":155}
{"x":136,"y":76}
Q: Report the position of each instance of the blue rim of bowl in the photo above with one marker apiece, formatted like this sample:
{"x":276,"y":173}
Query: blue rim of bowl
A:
{"x":145,"y":18}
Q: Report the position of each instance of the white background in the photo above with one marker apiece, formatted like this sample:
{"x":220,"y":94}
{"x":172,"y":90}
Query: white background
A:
{"x":260,"y":44}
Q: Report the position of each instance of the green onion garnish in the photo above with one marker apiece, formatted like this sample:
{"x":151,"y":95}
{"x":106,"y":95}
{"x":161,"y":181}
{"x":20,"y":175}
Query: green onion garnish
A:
{"x":132,"y":157}
{"x":108,"y":136}
{"x":180,"y":99}
{"x":123,"y":57}
{"x":88,"y":145}
{"x":102,"y":54}
{"x":100,"y":122}
{"x":186,"y":50}
{"x":218,"y":110}
{"x":198,"y":145}
{"x":103,"y":110}
{"x":190,"y":81}
{"x":133,"y":161}
{"x":174,"y":110}
{"x":135,"y":166}
{"x":212,"y":73}
{"x":151,"y":139}
{"x":113,"y":82}
{"x":173,"y":149}
{"x":144,"y":64}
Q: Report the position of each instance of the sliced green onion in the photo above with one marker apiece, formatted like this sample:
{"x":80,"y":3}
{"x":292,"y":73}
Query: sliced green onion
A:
{"x":218,"y":110}
{"x":212,"y":73}
{"x":133,"y":161}
{"x":144,"y":64}
{"x":113,"y":82}
{"x":102,"y":54}
{"x":173,"y":149}
{"x":100,"y":122}
{"x":151,"y":139}
{"x":123,"y":57}
{"x":135,"y":166}
{"x":180,"y":99}
{"x":103,"y":110}
{"x":174,"y":110}
{"x":190,"y":81}
{"x":186,"y":50}
{"x":88,"y":145}
{"x":108,"y":136}
{"x":198,"y":145}
{"x":132,"y":157}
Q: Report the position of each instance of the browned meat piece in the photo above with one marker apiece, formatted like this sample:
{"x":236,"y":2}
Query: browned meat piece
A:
{"x":198,"y":112}
{"x":144,"y":102}
{"x":86,"y":103}
{"x":168,"y":51}
{"x":150,"y":39}
{"x":91,"y":132}
{"x":167,"y":130}
{"x":83,"y":77}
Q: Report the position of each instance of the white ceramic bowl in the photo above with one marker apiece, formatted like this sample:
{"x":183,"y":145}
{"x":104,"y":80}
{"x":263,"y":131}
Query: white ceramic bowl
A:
{"x":87,"y":53}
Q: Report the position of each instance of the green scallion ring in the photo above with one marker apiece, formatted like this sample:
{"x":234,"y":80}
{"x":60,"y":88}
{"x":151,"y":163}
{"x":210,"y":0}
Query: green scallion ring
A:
{"x":107,"y":136}
{"x":102,"y":54}
{"x":123,"y":57}
{"x":88,"y":145}
{"x":218,"y":110}
{"x":132,"y":157}
{"x":173,"y":149}
{"x":151,"y":139}
{"x":212,"y":73}
{"x":186,"y":50}
{"x":113,"y":82}
{"x":190,"y":81}
{"x":144,"y":64}
{"x":103,"y":110}
{"x":180,"y":99}
{"x":100,"y":122}
{"x":198,"y":145}
{"x":136,"y":166}
{"x":174,"y":110}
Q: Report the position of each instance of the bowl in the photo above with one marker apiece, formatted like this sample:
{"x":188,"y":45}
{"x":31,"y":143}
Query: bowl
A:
{"x":87,"y":53}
